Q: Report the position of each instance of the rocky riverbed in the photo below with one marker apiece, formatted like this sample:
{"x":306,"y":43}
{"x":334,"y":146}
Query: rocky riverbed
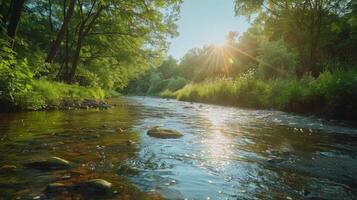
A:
{"x":150,"y":148}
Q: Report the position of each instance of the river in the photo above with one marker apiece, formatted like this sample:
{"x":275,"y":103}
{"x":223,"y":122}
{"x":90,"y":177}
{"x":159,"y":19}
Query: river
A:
{"x":225,"y":153}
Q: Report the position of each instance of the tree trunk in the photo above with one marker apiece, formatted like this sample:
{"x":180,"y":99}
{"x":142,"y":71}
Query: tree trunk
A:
{"x":50,"y":15}
{"x":14,"y":19}
{"x":76,"y":55}
{"x":315,"y":38}
{"x":67,"y":49}
{"x":83,"y":31}
{"x":61,"y":33}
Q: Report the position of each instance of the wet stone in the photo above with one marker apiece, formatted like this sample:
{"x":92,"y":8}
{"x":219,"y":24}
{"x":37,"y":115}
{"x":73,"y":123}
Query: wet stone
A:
{"x":53,"y":163}
{"x":158,"y":132}
{"x":95,"y":187}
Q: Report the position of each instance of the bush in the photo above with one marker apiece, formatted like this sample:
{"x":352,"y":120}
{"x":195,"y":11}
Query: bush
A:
{"x":19,"y":89}
{"x":15,"y":78}
{"x":176,"y":83}
{"x":53,"y":92}
{"x":167,"y":94}
{"x":332,"y":94}
{"x":276,"y":60}
{"x":87,"y":78}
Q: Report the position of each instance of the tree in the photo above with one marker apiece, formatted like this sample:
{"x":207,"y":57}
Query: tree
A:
{"x":141,"y":26}
{"x":276,"y":60}
{"x":14,"y":15}
{"x":300,"y":22}
{"x":61,"y":33}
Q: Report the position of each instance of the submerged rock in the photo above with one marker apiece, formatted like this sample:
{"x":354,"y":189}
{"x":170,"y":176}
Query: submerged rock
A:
{"x":95,"y":187}
{"x":53,"y":163}
{"x":163,"y":133}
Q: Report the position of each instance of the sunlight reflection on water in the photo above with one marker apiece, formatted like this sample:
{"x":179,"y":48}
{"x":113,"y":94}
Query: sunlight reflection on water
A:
{"x":217,"y":143}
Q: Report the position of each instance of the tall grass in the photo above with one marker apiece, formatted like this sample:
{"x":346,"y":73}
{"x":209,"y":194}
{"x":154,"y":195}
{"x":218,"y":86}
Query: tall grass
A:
{"x":43,"y":94}
{"x":332,"y":94}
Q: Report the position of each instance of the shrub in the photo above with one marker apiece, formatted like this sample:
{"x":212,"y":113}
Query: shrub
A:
{"x":276,"y":60}
{"x":332,"y":94}
{"x":53,"y":92}
{"x":167,"y":94}
{"x":15,"y":78}
{"x":176,"y":83}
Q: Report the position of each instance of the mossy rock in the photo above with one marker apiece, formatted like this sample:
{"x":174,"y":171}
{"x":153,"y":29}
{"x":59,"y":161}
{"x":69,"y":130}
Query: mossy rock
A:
{"x":95,"y":187}
{"x":158,"y":132}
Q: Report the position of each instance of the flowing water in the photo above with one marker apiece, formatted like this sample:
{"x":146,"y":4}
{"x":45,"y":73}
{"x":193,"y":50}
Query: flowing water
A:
{"x":225,"y":153}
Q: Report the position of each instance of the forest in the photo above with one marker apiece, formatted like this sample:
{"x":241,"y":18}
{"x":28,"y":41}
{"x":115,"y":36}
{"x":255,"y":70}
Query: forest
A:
{"x":57,"y":49}
{"x":178,"y":99}
{"x":297,"y":56}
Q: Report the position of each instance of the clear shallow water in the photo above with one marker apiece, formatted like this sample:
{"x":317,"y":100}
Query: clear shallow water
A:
{"x":225,"y":153}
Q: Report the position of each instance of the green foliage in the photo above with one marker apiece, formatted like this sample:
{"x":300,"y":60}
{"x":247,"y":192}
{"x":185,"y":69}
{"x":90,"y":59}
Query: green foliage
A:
{"x":15,"y":78}
{"x":167,"y":94}
{"x":52,"y":93}
{"x":158,"y":87}
{"x":318,"y":29}
{"x":332,"y":94}
{"x":156,"y":80}
{"x":101,"y":46}
{"x":176,"y":83}
{"x":276,"y":60}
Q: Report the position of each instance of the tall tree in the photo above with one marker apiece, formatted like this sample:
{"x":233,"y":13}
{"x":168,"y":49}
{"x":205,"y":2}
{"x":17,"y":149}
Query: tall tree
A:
{"x":61,"y":33}
{"x":300,"y":22}
{"x":15,"y":11}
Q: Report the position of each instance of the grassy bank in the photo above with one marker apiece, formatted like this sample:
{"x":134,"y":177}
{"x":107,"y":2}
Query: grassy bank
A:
{"x":332,"y":94}
{"x":43,"y":94}
{"x":22,"y":89}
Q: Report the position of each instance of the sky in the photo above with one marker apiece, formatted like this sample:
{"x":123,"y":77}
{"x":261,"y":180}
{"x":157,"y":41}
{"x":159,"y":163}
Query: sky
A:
{"x":205,"y":22}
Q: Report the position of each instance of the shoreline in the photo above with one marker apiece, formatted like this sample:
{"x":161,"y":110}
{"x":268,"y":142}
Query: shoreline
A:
{"x":303,"y":114}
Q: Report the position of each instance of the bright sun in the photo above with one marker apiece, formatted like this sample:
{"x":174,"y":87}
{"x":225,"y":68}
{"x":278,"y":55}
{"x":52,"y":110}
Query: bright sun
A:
{"x":220,"y":58}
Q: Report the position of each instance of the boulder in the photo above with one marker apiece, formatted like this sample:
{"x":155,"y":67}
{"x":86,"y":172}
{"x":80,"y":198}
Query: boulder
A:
{"x":163,"y":133}
{"x":53,"y":163}
{"x":95,"y":187}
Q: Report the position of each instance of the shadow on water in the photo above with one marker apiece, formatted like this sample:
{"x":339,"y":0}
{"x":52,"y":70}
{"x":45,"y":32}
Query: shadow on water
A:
{"x":225,"y":153}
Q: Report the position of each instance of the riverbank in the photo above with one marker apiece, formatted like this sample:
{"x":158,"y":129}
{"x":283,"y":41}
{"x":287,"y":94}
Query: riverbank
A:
{"x":331,"y":95}
{"x":50,"y":95}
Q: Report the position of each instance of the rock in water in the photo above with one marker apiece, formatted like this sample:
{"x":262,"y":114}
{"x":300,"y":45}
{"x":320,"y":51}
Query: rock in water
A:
{"x":53,"y":163}
{"x":163,"y":133}
{"x":95,"y":187}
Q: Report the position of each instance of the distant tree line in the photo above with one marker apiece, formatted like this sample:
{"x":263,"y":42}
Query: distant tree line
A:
{"x":287,"y":38}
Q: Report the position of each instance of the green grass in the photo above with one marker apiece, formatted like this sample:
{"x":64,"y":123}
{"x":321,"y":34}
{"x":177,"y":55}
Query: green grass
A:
{"x":45,"y":94}
{"x":332,"y":94}
{"x":167,"y":94}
